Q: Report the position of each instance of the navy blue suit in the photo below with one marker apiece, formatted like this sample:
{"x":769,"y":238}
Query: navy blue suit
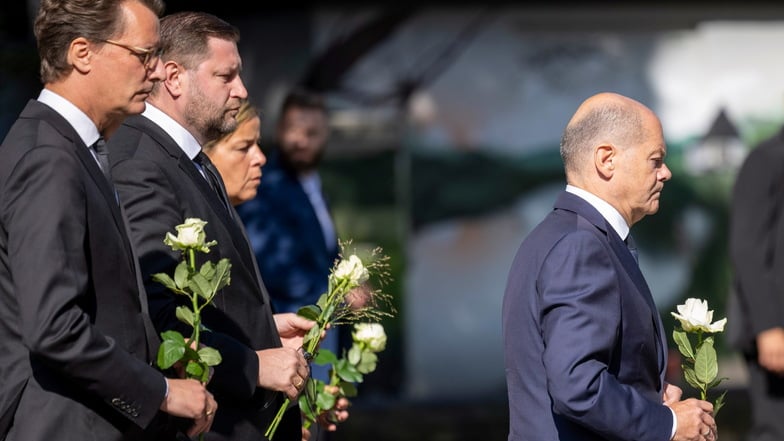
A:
{"x":583,"y":341}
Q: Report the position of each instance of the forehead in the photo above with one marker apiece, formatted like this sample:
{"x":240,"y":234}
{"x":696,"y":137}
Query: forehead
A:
{"x":223,"y":55}
{"x":139,"y":21}
{"x":653,"y":137}
{"x":248,"y":130}
{"x":304,"y":116}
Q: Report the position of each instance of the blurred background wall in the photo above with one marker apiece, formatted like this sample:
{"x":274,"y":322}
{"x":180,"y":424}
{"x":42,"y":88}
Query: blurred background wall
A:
{"x":446,"y":121}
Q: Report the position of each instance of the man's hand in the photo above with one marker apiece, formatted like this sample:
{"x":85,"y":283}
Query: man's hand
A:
{"x":672,"y":394}
{"x":284,"y":370}
{"x":695,"y":420}
{"x":358,"y":297}
{"x":190,"y":399}
{"x":292,"y":329}
{"x":770,"y":347}
{"x":329,"y":419}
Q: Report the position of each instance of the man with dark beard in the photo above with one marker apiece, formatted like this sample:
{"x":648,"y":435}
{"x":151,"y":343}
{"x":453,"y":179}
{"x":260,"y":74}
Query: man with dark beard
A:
{"x":163,"y":177}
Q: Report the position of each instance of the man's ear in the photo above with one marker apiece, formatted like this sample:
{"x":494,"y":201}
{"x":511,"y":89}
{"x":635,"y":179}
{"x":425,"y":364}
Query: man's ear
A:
{"x":80,"y":54}
{"x":604,"y":157}
{"x":174,"y":75}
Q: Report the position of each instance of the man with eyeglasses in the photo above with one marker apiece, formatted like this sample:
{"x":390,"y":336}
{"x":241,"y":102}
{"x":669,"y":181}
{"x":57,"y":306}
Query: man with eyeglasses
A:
{"x":148,"y":57}
{"x":76,"y":343}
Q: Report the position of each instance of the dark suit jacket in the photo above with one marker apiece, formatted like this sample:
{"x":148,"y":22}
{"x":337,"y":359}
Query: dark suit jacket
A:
{"x":160,"y":187}
{"x":584,"y":348}
{"x":757,"y":245}
{"x":287,"y":238}
{"x":73,"y":350}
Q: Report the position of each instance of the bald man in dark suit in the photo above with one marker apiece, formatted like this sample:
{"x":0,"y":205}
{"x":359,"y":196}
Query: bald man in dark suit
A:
{"x":584,"y":345}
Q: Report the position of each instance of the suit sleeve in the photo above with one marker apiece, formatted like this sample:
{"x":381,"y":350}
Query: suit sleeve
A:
{"x":46,"y":218}
{"x":757,"y":239}
{"x":153,"y":209}
{"x":581,"y":323}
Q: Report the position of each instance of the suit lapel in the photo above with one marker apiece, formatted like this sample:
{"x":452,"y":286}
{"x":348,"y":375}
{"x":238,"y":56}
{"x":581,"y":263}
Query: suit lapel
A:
{"x":42,"y":111}
{"x":582,"y":208}
{"x":202,"y":187}
{"x":220,"y":210}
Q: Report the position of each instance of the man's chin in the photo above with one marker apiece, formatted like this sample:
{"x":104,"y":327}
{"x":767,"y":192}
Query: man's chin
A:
{"x":136,"y":107}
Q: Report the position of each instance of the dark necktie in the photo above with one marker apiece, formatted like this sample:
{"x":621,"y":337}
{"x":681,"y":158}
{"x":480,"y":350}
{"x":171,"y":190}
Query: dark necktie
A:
{"x":632,"y":248}
{"x":102,"y":154}
{"x":213,"y":177}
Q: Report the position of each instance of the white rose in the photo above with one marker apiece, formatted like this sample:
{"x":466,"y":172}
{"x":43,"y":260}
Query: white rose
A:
{"x":353,"y":270}
{"x":189,"y":235}
{"x":372,"y":335}
{"x":695,"y":316}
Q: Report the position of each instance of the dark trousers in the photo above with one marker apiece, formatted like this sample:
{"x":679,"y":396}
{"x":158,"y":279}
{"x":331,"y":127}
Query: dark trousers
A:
{"x":766,"y":391}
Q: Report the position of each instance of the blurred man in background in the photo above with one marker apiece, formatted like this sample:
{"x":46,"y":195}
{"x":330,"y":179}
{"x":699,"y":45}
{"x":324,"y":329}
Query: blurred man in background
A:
{"x":756,"y":310}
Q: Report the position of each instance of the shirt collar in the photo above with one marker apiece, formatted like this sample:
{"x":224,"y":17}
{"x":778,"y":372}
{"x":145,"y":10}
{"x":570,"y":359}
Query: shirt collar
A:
{"x":608,"y":212}
{"x":84,"y":126}
{"x":179,"y":134}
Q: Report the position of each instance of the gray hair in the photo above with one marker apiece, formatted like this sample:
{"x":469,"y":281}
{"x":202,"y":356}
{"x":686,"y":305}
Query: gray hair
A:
{"x":612,"y":122}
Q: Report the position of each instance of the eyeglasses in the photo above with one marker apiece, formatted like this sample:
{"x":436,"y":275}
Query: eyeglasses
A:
{"x":148,"y":57}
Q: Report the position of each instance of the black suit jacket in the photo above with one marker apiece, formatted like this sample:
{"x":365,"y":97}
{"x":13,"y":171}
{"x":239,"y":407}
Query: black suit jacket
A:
{"x":73,"y":350}
{"x":757,"y":245}
{"x":160,"y":187}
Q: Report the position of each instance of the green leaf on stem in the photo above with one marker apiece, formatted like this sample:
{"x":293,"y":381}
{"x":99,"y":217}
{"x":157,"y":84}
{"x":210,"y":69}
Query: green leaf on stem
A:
{"x":307,"y":409}
{"x":325,"y":400}
{"x":181,"y":275}
{"x":313,"y":334}
{"x":165,"y":280}
{"x":718,"y":404}
{"x":185,"y":315}
{"x":223,"y":274}
{"x":207,"y":270}
{"x":197,"y":371}
{"x":348,"y":389}
{"x":717,"y":382}
{"x":310,"y":312}
{"x":347,"y":371}
{"x":322,"y":301}
{"x":324,"y":357}
{"x":210,"y":356}
{"x":684,"y":345}
{"x":172,"y":348}
{"x":691,"y":377}
{"x":201,"y":286}
{"x":705,"y":365}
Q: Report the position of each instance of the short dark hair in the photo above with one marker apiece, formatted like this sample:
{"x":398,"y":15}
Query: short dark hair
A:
{"x":184,"y":36}
{"x":59,"y":22}
{"x":303,"y":99}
